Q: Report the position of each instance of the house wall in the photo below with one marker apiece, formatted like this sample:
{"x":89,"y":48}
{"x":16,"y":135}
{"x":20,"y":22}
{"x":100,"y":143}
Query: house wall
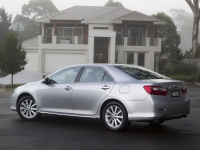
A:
{"x":32,"y":58}
{"x":53,"y":56}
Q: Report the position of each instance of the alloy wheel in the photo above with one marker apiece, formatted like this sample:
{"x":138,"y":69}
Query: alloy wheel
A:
{"x":114,"y":116}
{"x":28,"y":108}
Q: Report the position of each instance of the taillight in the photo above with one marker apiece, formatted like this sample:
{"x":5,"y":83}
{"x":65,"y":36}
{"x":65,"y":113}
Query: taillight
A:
{"x":184,"y":89}
{"x":155,"y":90}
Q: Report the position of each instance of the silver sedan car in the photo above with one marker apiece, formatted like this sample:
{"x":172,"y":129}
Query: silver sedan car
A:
{"x":118,"y":94}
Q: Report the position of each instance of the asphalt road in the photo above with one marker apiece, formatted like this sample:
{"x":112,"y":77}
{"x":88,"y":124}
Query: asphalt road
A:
{"x":60,"y":132}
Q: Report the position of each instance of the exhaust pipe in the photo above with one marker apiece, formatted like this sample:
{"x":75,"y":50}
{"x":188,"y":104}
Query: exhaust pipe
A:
{"x":184,"y":116}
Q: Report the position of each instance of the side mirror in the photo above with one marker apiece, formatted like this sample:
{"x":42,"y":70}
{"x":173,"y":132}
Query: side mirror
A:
{"x":46,"y":81}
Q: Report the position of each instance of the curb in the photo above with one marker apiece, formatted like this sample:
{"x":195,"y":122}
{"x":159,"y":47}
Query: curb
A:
{"x":197,"y":83}
{"x":2,"y":90}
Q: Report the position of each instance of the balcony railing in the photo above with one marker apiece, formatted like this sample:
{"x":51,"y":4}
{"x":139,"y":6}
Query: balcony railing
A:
{"x":65,"y":40}
{"x":136,"y":41}
{"x":47,"y":39}
{"x":153,"y":42}
{"x":119,"y":40}
{"x":82,"y":40}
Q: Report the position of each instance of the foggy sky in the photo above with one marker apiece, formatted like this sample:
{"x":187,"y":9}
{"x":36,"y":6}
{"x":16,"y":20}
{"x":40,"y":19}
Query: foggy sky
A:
{"x":148,"y":7}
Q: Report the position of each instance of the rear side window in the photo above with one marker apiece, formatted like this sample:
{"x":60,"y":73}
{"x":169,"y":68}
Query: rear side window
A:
{"x":107,"y":78}
{"x":95,"y":74}
{"x":141,"y":73}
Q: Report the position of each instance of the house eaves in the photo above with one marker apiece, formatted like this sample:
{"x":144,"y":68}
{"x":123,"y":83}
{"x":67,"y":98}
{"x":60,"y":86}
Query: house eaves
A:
{"x":137,"y":19}
{"x":101,"y":22}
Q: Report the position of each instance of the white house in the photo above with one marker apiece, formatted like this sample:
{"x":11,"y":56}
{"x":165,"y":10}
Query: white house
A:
{"x":89,"y":34}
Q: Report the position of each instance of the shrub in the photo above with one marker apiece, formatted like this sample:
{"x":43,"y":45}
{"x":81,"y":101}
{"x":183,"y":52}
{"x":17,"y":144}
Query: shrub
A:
{"x":180,"y":68}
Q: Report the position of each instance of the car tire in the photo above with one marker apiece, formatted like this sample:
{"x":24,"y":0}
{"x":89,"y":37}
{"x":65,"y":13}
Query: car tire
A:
{"x":115,"y":116}
{"x":27,"y":109}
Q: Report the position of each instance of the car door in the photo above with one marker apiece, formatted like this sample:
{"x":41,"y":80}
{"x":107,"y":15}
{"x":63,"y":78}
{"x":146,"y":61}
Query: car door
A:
{"x":94,"y":85}
{"x":56,"y":95}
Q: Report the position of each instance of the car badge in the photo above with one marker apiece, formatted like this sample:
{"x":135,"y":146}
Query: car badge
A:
{"x":175,"y":86}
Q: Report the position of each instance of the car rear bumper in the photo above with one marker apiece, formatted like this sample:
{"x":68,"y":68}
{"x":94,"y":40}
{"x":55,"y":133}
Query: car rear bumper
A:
{"x":148,"y":110}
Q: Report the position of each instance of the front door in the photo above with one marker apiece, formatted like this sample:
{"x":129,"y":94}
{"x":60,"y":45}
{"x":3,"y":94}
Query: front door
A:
{"x":56,"y":95}
{"x":101,"y":49}
{"x":94,"y":85}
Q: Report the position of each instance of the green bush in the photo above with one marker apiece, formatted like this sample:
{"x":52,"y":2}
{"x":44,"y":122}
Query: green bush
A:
{"x":186,"y":78}
{"x":180,"y":68}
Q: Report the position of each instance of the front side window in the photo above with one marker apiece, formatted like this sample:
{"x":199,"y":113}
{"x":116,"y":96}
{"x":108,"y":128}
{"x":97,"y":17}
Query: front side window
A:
{"x":95,"y":74}
{"x":141,"y":73}
{"x":65,"y":76}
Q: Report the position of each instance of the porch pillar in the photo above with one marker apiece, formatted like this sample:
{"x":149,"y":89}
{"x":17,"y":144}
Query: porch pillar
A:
{"x":135,"y":58}
{"x":54,"y":39}
{"x":76,"y":40}
{"x":147,"y":41}
{"x":112,"y":50}
{"x":125,"y":41}
{"x":91,"y":49}
{"x":39,"y":54}
{"x":159,"y":42}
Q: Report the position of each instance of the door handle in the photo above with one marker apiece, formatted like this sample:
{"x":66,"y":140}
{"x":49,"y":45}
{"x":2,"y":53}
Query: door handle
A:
{"x":105,"y":87}
{"x":68,"y":88}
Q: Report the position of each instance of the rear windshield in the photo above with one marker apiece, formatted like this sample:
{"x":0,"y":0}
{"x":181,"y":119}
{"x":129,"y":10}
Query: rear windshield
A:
{"x":140,"y":73}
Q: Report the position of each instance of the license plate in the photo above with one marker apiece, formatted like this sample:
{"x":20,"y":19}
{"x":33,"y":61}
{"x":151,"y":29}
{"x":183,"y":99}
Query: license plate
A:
{"x":175,"y":94}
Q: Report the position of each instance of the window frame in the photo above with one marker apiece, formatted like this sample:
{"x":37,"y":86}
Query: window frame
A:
{"x":62,"y":71}
{"x":83,"y":68}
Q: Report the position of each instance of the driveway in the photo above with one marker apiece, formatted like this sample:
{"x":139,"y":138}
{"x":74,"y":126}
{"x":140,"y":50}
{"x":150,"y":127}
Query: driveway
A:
{"x":70,"y":133}
{"x":22,"y":77}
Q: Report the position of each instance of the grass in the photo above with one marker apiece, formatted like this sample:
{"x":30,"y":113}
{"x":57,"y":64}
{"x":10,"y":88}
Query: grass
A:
{"x":9,"y":87}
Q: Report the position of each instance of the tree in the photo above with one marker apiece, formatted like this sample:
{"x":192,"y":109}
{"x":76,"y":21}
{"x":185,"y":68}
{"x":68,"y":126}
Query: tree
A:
{"x":110,"y":3}
{"x":196,"y":12}
{"x":38,"y":8}
{"x":12,"y":57}
{"x":171,"y":39}
{"x":30,"y":29}
{"x":188,"y":54}
{"x":183,"y":20}
{"x":5,"y":22}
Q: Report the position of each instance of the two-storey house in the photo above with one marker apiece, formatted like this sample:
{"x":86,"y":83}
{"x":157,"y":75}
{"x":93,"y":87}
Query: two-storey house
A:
{"x":88,"y":34}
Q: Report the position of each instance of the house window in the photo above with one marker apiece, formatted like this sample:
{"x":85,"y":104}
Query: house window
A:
{"x":141,"y":58}
{"x":67,"y":33}
{"x":156,"y":62}
{"x":116,"y":57}
{"x":130,"y":58}
{"x":137,"y":36}
{"x":119,"y":36}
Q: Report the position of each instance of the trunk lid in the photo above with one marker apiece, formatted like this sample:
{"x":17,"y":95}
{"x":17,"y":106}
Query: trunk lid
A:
{"x":174,"y":88}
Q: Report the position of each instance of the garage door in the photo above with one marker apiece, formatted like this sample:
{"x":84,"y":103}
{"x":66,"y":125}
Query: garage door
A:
{"x":32,"y":64}
{"x":55,"y":61}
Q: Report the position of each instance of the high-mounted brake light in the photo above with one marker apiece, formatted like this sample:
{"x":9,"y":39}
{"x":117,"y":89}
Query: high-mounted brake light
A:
{"x":155,"y":90}
{"x":184,"y":89}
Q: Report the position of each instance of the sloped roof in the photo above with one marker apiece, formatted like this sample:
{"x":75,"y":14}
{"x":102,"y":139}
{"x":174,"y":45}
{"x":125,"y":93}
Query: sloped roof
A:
{"x":99,"y":14}
{"x":31,"y":42}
